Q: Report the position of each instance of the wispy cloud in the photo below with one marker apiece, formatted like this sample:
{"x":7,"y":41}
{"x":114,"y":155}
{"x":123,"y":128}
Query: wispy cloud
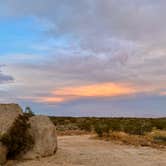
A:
{"x":102,"y":90}
{"x":4,"y":78}
{"x":87,"y":49}
{"x":163,"y":93}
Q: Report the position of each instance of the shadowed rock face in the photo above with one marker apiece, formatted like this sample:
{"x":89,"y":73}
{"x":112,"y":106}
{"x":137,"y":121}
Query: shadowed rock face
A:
{"x":8,"y":114}
{"x":3,"y":153}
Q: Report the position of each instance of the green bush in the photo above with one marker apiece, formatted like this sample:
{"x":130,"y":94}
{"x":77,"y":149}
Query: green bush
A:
{"x":102,"y":129}
{"x":137,"y":127}
{"x":159,"y":123}
{"x":29,"y":112}
{"x":18,"y":139}
{"x":85,"y":125}
{"x":115,"y":125}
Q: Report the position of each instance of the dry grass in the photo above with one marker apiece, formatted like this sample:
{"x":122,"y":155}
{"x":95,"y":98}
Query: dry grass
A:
{"x":156,"y":138}
{"x":130,"y":139}
{"x":72,"y":132}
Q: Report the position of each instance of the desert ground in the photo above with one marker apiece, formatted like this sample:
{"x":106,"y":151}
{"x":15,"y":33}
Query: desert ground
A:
{"x":83,"y":150}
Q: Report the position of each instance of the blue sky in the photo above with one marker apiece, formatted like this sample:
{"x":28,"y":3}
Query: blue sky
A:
{"x":18,"y":35}
{"x":84,"y":58}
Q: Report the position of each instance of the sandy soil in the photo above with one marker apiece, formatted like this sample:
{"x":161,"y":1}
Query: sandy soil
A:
{"x":84,"y":151}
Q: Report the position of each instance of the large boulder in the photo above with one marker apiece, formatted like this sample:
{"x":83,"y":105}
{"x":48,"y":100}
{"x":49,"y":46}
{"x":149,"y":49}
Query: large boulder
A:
{"x":42,"y":130}
{"x":45,"y":138}
{"x":8,"y":114}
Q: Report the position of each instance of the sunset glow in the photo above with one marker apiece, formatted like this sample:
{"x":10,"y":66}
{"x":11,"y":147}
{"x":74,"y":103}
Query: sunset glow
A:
{"x":96,"y":90}
{"x":84,"y":58}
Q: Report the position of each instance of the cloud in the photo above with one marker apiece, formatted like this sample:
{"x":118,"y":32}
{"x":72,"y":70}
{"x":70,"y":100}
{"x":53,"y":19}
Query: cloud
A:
{"x":117,"y":41}
{"x":163,"y":93}
{"x":88,"y":20}
{"x":86,"y":91}
{"x":5,"y":78}
{"x":92,"y":91}
{"x":66,"y":71}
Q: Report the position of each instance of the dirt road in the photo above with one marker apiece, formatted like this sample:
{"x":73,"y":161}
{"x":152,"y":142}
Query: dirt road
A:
{"x":84,"y":151}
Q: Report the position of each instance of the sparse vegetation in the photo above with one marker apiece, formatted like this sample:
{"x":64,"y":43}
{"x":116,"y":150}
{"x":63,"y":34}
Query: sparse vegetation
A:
{"x":29,"y":112}
{"x":136,"y":126}
{"x":18,"y":139}
{"x":160,"y":138}
{"x":134,"y":130}
{"x":101,"y":129}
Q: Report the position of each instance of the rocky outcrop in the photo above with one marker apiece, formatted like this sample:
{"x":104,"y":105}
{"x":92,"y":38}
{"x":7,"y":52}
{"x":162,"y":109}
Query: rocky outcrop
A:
{"x":44,"y":134}
{"x":42,"y":130}
{"x":8,"y":114}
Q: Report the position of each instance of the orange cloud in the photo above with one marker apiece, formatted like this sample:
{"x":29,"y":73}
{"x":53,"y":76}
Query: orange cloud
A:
{"x":51,"y":99}
{"x":163,"y":93}
{"x":95,"y":90}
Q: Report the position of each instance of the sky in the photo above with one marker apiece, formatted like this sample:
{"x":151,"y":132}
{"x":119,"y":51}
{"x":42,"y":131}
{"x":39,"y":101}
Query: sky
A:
{"x":84,"y":58}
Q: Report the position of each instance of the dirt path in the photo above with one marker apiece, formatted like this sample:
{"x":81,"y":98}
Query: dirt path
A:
{"x":84,"y":151}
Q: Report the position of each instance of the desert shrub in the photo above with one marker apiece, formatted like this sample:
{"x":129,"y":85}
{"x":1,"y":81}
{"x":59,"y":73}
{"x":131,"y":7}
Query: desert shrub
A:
{"x":115,"y":125}
{"x":59,"y":120}
{"x":28,"y":112}
{"x":85,"y":125}
{"x":130,"y":126}
{"x":160,"y":138}
{"x":138,"y":127}
{"x":18,"y":139}
{"x":99,"y":130}
{"x":159,"y":123}
{"x":102,"y":129}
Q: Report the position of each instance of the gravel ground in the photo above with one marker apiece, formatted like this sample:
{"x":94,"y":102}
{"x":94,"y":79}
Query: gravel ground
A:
{"x":84,"y":151}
